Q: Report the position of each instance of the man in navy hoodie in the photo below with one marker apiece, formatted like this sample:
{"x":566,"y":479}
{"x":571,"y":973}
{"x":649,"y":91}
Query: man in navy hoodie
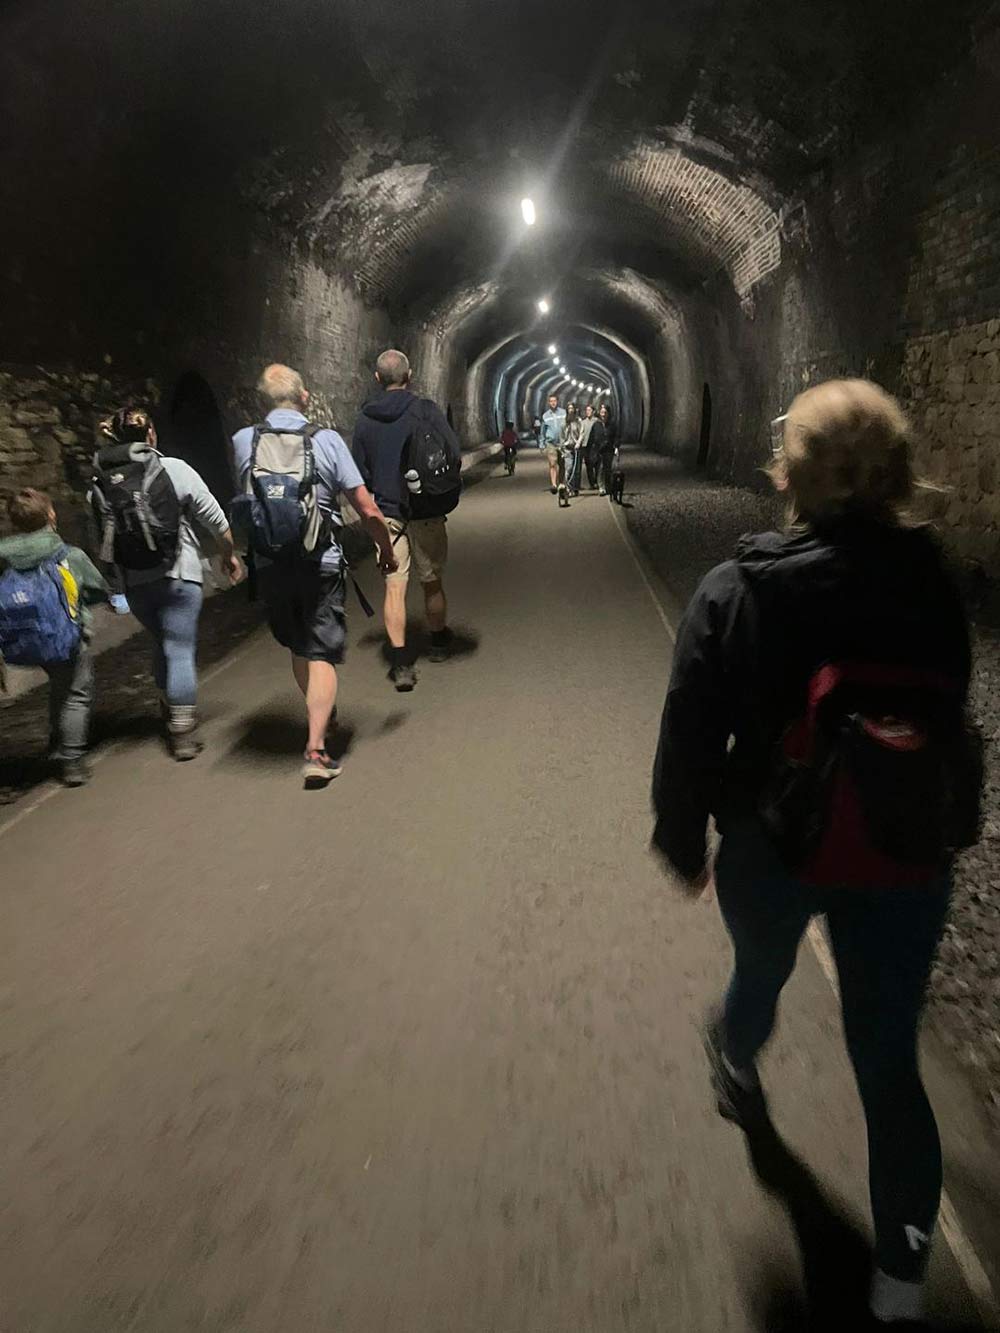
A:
{"x":380,"y":435}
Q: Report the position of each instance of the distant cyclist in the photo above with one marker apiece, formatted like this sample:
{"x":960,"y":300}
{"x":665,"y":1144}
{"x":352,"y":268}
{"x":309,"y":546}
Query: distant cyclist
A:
{"x":509,"y":442}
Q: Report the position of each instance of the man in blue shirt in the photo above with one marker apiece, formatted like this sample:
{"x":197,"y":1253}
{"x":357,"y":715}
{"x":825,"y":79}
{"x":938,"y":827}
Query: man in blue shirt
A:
{"x":553,"y":425}
{"x":305,"y":600}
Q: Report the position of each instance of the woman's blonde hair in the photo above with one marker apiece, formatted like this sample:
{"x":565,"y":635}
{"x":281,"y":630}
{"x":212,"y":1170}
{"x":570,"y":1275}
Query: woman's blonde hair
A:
{"x":846,"y":449}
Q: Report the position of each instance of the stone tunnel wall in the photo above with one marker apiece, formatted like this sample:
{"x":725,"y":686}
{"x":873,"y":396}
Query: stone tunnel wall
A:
{"x":278,"y":305}
{"x":892,"y":271}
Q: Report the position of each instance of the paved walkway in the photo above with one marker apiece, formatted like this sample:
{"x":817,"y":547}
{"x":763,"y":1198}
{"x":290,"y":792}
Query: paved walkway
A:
{"x":420,"y":1052}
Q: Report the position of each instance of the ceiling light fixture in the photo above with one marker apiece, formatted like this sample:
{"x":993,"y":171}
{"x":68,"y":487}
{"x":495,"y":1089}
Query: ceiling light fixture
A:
{"x":553,"y":349}
{"x":528,"y":211}
{"x":544,"y":306}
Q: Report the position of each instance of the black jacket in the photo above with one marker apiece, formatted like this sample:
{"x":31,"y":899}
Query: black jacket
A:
{"x":755,"y":632}
{"x":380,"y":435}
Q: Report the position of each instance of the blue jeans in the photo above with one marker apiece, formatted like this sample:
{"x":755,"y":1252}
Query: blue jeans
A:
{"x":883,"y":942}
{"x":71,"y":698}
{"x":169,"y":610}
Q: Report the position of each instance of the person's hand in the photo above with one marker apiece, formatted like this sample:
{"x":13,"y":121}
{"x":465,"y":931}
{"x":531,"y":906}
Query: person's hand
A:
{"x":691,"y":886}
{"x":119,"y":604}
{"x":232,"y":566}
{"x":387,"y":561}
{"x":701,"y":886}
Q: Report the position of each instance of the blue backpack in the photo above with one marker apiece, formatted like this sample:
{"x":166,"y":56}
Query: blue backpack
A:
{"x":39,"y":613}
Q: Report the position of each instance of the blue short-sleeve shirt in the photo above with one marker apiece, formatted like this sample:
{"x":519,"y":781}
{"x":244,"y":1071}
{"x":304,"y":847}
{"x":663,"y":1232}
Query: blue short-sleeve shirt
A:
{"x":336,"y":470}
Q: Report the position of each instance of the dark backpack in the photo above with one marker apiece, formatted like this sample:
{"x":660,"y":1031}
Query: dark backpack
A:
{"x":39,"y":613}
{"x":431,"y":465}
{"x":879,"y":782}
{"x":137,"y":510}
{"x":278,"y":515}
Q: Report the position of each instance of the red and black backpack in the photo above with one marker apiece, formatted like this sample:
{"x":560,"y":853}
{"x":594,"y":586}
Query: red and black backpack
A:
{"x":878,"y":782}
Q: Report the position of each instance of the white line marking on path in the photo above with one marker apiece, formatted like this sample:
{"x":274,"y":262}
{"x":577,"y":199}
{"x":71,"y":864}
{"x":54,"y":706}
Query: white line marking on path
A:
{"x":56,"y":789}
{"x":975,"y":1275}
{"x":964,"y":1252}
{"x":630,"y":547}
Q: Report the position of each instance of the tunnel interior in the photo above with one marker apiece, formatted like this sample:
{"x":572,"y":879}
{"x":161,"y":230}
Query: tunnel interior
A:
{"x":728,"y":195}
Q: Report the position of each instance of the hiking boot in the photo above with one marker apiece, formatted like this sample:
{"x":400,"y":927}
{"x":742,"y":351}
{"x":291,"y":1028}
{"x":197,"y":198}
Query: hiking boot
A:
{"x":320,"y":768}
{"x":440,"y":649}
{"x":75,"y":773}
{"x":403,"y":677}
{"x":738,"y":1094}
{"x":182,"y":733}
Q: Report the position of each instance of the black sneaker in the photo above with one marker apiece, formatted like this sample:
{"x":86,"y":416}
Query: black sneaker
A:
{"x":319,"y":768}
{"x":403,"y":677}
{"x":739,"y":1100}
{"x":75,"y":773}
{"x":440,"y":649}
{"x":552,"y":490}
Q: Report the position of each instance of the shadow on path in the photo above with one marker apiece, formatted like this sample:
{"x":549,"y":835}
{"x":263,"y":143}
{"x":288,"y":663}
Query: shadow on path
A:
{"x":465,"y":642}
{"x":836,"y":1257}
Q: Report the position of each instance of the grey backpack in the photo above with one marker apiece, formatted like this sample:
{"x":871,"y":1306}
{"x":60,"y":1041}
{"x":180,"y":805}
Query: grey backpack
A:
{"x":279,"y":514}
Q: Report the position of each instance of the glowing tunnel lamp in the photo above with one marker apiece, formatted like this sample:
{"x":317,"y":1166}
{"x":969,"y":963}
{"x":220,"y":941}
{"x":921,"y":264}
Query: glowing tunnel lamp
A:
{"x":544,"y":306}
{"x":528,"y":212}
{"x":553,"y":349}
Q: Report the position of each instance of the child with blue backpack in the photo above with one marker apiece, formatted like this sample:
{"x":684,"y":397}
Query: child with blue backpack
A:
{"x":46,"y":590}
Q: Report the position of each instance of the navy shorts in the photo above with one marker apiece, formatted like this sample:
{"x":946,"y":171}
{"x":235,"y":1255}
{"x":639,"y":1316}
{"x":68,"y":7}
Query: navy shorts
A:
{"x":305,"y":610}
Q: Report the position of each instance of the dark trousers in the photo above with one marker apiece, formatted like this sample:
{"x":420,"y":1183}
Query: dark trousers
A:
{"x":883,"y":941}
{"x":606,"y":464}
{"x":593,"y":465}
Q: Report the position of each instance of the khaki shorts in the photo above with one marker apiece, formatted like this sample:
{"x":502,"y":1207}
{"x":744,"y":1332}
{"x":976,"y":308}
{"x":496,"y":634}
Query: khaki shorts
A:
{"x":422,"y":543}
{"x":553,"y":453}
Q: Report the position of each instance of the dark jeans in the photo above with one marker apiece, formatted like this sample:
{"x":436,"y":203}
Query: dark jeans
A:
{"x":883,"y":942}
{"x":593,"y":466}
{"x":605,"y":465}
{"x":574,"y":466}
{"x":71,"y":698}
{"x":168,"y":610}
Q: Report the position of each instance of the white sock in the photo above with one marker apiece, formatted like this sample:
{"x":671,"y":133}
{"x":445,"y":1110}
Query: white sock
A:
{"x":746,"y":1078}
{"x":893,"y":1299}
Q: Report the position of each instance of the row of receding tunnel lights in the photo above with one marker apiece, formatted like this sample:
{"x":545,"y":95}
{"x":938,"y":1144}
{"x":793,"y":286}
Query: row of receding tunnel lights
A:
{"x":530,"y":216}
{"x":577,"y":384}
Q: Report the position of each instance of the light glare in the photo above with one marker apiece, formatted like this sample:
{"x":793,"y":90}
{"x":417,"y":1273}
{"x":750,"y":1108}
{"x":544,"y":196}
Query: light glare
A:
{"x":544,"y":306}
{"x":528,"y":211}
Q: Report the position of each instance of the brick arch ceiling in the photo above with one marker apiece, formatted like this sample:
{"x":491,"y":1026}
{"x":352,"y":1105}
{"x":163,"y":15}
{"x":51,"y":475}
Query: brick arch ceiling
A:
{"x":660,"y":195}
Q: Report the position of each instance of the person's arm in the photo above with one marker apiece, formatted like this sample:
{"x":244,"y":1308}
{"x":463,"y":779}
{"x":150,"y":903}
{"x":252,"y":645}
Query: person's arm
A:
{"x":695,"y":728}
{"x":363,"y":503}
{"x":206,"y":514}
{"x":362,"y":457}
{"x":93,"y":586}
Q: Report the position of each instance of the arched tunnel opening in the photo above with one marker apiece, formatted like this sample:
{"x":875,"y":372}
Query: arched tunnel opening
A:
{"x":461,"y":989}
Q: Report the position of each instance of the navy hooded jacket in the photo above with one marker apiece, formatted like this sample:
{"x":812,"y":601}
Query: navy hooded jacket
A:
{"x":380,"y":435}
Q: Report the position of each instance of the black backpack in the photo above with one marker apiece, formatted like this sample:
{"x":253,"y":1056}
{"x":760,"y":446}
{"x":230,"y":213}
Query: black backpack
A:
{"x":878,"y":782}
{"x":431,"y":465}
{"x":137,"y":510}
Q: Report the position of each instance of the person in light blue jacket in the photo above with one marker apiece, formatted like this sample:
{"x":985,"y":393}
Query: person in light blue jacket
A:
{"x":553,"y":424}
{"x":166,"y":600}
